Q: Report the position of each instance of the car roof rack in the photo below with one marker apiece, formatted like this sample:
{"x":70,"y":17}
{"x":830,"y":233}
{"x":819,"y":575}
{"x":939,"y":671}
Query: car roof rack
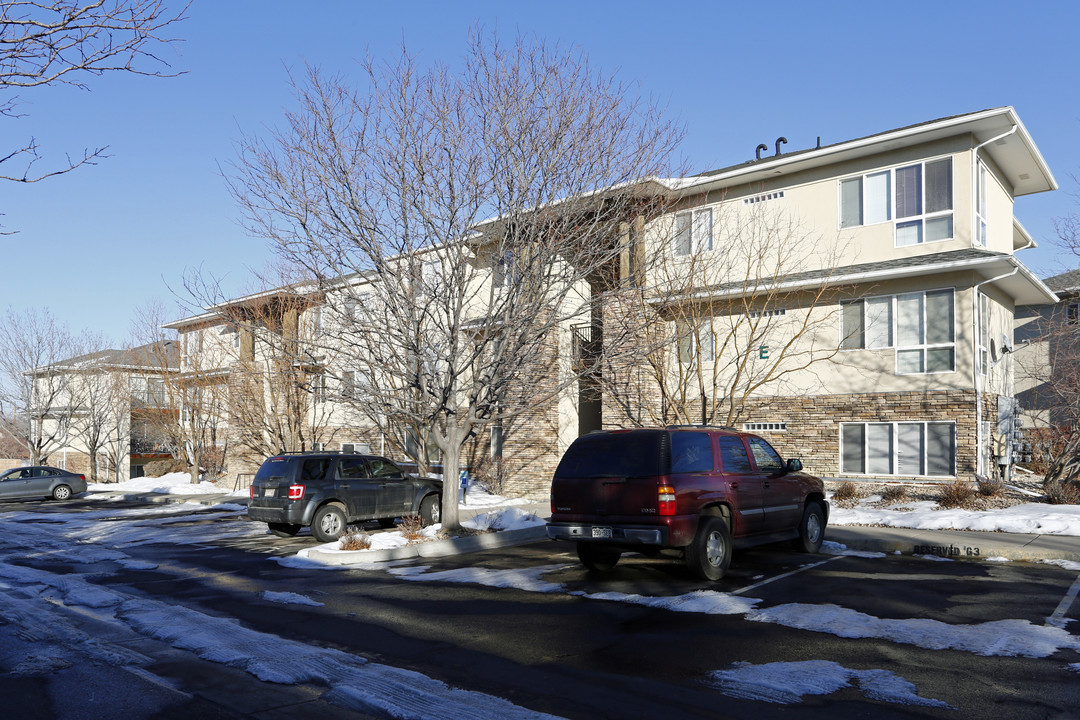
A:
{"x":702,"y":427}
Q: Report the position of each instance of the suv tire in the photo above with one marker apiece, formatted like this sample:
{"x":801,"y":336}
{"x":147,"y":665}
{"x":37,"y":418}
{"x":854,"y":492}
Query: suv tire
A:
{"x":597,"y":558}
{"x":709,"y":554}
{"x":811,"y":529}
{"x":328,"y":523}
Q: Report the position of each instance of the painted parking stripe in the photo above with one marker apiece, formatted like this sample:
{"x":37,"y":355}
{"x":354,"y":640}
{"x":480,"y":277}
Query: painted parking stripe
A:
{"x":1058,"y":618}
{"x":796,"y":571}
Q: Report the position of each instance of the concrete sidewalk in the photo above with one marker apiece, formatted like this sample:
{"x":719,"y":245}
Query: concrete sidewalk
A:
{"x":954,"y":544}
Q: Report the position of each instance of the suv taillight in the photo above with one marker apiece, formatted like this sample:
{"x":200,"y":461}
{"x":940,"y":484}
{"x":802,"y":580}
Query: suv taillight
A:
{"x":296,"y":492}
{"x":251,"y":491}
{"x":666,"y":500}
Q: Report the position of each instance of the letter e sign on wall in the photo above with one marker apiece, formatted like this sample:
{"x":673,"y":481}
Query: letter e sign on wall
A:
{"x":763,"y":352}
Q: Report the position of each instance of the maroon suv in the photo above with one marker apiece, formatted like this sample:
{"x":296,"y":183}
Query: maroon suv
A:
{"x":701,"y":490}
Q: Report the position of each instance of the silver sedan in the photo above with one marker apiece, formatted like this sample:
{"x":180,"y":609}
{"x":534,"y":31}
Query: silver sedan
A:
{"x":40,"y":481}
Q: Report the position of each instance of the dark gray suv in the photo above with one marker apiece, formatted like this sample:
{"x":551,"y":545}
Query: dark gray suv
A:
{"x":327,"y":491}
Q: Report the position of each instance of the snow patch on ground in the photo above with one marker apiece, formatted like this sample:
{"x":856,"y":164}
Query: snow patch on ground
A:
{"x":1067,"y":564}
{"x":288,"y":598}
{"x":1002,"y":638}
{"x":526,"y":579}
{"x":830,"y":547}
{"x":511,"y":518}
{"x":789,"y":682}
{"x":171,"y":483}
{"x":1031,"y":518}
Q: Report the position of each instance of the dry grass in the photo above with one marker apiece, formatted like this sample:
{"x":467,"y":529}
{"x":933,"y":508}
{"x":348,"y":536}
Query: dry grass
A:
{"x":989,"y":487}
{"x":1062,"y":493}
{"x":894,"y":494}
{"x":412,"y":528}
{"x":354,"y":539}
{"x":956,"y":494}
{"x":846,"y":491}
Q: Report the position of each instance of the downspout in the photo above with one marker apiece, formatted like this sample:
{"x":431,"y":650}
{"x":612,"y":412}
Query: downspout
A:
{"x":977,"y":365}
{"x":975,"y":182}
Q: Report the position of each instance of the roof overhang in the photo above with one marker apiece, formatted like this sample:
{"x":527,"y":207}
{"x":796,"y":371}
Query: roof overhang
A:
{"x":1013,"y":151}
{"x":1003,"y":271}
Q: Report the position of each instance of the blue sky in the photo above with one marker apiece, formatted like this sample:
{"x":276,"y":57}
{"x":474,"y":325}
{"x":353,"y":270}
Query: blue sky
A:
{"x":97,"y":243}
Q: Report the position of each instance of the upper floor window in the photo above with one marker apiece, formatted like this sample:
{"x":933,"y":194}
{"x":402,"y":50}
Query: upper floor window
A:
{"x":917,"y":197}
{"x":980,"y":205}
{"x":921,"y":326}
{"x":693,"y":232}
{"x":1072,"y":314}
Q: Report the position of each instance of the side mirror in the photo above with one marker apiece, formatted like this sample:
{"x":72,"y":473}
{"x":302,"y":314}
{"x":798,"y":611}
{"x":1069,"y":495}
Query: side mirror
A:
{"x":794,"y":465}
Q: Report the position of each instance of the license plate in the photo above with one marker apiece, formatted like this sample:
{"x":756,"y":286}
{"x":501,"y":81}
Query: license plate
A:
{"x":268,"y":492}
{"x":601,"y":532}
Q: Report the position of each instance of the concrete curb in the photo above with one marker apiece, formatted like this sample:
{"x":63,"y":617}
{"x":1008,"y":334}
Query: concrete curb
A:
{"x":436,"y":548}
{"x":956,"y":544}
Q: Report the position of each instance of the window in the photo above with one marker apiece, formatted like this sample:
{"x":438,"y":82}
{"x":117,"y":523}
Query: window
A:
{"x":691,"y":452}
{"x":502,"y":269}
{"x":318,"y":388}
{"x":1072,"y":314}
{"x":765,"y":426}
{"x":899,"y":448}
{"x":917,"y":197}
{"x":765,"y":457}
{"x":695,"y":342}
{"x":733,"y":455}
{"x":980,"y":205}
{"x":984,"y":333}
{"x":693,"y":232}
{"x":924,"y":332}
{"x":353,"y":447}
{"x":866,"y":323}
{"x":348,"y":384}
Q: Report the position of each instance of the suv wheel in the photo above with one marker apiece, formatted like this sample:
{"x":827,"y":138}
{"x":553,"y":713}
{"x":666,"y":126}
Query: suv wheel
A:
{"x":430,"y":510}
{"x":328,"y":524}
{"x":709,"y":554}
{"x":283,"y":529}
{"x":811,"y":529}
{"x":596,"y":557}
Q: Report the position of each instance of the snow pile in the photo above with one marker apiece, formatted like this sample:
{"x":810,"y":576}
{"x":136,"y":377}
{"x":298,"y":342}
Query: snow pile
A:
{"x":171,"y":483}
{"x":1031,"y":518}
{"x":477,"y":496}
{"x":788,"y":682}
{"x":511,"y":518}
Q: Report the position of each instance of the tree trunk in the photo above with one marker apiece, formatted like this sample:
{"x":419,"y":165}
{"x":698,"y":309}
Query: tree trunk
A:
{"x":451,"y":463}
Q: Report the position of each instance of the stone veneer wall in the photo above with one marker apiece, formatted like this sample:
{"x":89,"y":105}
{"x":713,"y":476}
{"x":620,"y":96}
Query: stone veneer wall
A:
{"x":813,"y":423}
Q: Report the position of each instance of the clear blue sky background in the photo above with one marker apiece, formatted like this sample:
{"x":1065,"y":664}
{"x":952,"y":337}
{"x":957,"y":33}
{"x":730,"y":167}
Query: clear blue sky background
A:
{"x":97,"y":243}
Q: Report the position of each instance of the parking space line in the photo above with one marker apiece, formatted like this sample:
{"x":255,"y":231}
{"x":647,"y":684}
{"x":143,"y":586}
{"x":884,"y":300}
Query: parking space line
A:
{"x":1058,"y":618}
{"x":748,"y":588}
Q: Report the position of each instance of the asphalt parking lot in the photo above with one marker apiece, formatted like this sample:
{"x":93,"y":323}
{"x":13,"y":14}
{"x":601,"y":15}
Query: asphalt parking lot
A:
{"x":861,"y":634}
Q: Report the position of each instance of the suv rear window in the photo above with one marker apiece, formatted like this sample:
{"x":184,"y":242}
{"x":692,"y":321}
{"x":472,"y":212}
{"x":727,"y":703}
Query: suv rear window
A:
{"x":691,"y":452}
{"x":637,"y":453}
{"x":275,"y":468}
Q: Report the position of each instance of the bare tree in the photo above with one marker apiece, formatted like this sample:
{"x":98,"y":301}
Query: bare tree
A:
{"x":35,"y":379}
{"x":186,"y":408}
{"x":67,"y":42}
{"x":731,"y":307}
{"x":454,"y":220}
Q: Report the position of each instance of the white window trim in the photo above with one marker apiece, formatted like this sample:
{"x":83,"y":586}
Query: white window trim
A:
{"x":894,"y":343}
{"x":704,"y":327}
{"x":895,"y":460}
{"x":891,"y":210}
{"x":981,"y":204}
{"x":695,"y":246}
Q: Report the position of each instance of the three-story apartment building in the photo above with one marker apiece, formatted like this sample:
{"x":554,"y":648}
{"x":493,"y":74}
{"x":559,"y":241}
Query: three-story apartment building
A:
{"x":853,"y":301}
